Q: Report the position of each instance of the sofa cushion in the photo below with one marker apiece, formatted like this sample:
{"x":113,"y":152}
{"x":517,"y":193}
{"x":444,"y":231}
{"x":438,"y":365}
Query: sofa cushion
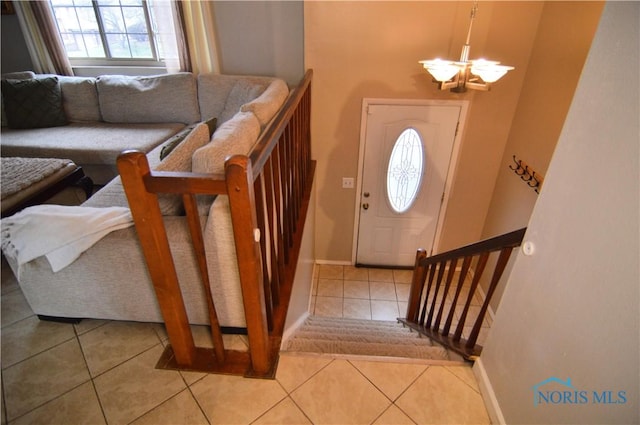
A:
{"x":152,"y":99}
{"x":33,"y":103}
{"x":80,"y":98}
{"x":113,"y":193}
{"x":242,"y":92}
{"x":214,"y":94}
{"x":265,"y":106}
{"x":21,"y":75}
{"x":86,"y":143}
{"x":235,"y":136}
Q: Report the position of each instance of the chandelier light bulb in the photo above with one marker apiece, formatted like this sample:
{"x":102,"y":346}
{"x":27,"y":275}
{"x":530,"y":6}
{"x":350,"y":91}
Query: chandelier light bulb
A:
{"x":441,"y":70}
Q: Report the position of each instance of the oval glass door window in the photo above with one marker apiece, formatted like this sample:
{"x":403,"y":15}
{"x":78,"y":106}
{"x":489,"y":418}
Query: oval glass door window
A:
{"x":406,"y":167}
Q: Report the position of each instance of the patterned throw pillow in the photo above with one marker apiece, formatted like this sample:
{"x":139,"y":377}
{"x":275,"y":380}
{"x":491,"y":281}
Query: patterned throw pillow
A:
{"x":33,"y":103}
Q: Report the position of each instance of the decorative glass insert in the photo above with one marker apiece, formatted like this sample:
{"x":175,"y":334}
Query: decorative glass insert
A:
{"x":406,"y":167}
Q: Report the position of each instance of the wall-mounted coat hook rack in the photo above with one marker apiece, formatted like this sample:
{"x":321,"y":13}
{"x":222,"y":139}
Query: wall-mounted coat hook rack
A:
{"x":526,"y":173}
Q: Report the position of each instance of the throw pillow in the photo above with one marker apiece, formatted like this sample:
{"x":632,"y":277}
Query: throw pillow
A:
{"x":33,"y":103}
{"x":176,"y":139}
{"x":269,"y":102}
{"x":235,"y":136}
{"x":212,"y":123}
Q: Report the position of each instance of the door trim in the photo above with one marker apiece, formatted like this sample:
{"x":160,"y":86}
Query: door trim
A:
{"x":366,"y":102}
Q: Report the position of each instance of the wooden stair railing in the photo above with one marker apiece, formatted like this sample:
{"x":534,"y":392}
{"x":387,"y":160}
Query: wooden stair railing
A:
{"x":269,"y":192}
{"x":434,"y":298}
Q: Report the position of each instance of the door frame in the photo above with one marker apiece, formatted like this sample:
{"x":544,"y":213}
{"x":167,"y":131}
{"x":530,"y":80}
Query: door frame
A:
{"x":450,"y":178}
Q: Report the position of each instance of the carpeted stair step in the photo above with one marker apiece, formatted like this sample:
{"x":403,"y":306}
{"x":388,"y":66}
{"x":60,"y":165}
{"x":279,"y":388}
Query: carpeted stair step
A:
{"x":362,"y":337}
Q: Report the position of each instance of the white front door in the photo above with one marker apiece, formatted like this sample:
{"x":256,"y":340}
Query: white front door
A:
{"x":405,"y":164}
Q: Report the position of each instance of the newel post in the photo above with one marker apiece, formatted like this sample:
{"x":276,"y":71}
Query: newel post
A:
{"x":133,"y":167}
{"x":417,"y":281}
{"x":239,"y":177}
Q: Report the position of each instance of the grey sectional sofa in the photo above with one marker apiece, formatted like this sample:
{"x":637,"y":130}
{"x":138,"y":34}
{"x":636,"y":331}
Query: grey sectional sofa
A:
{"x":110,"y":114}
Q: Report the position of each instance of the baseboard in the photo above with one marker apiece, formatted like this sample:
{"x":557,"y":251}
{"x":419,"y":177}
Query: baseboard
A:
{"x":334,"y":263}
{"x":488,"y":395}
{"x":294,"y":327}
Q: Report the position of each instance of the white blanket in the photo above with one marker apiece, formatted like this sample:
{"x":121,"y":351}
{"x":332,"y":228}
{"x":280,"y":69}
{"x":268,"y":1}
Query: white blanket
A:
{"x":60,"y":233}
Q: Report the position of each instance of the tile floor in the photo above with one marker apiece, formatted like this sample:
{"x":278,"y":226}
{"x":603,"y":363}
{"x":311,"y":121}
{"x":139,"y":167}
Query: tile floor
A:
{"x":378,"y":294}
{"x":101,"y":372}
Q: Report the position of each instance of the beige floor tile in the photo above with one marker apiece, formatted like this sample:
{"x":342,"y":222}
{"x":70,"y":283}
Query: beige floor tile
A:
{"x":14,"y":308}
{"x":402,"y":308}
{"x":384,"y":310}
{"x":390,"y":378}
{"x":192,"y":377}
{"x":435,"y":398}
{"x":179,"y":409}
{"x":293,"y":370}
{"x":465,"y":373}
{"x":236,"y":400}
{"x":3,"y":416}
{"x":87,"y":325}
{"x":135,"y":387}
{"x":383,"y":291}
{"x":402,"y":291}
{"x":394,"y":416}
{"x":116,"y":342}
{"x":9,"y":281}
{"x":402,"y":276}
{"x":356,"y":309}
{"x":380,"y":275}
{"x":356,"y":273}
{"x":356,"y":289}
{"x":31,"y":336}
{"x":339,"y":394}
{"x":330,"y":288}
{"x":328,"y":271}
{"x":284,"y":413}
{"x":328,"y":307}
{"x":78,"y":406}
{"x":43,"y":377}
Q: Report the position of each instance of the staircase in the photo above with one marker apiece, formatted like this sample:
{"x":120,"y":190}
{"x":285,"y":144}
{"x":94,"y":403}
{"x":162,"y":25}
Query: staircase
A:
{"x":365,"y":338}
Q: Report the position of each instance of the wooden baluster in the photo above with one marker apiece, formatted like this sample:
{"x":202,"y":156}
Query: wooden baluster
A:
{"x":452,"y":270}
{"x":276,"y":272}
{"x":436,"y":289}
{"x":239,"y":178}
{"x":503,"y":259}
{"x":466,"y":264}
{"x":425,"y":301}
{"x":195,"y":228}
{"x":482,"y":262}
{"x":133,"y":167}
{"x":260,"y":217}
{"x":283,"y":251}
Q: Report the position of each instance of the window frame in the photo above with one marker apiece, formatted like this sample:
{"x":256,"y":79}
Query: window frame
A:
{"x":109,"y":61}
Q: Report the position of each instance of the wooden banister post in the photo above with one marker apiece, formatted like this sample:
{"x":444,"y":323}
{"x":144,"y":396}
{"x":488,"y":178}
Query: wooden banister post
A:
{"x":417,"y":282}
{"x":133,"y":167}
{"x":239,"y":177}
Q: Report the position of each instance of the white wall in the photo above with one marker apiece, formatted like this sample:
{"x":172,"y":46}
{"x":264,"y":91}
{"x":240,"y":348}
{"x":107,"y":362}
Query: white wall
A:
{"x":571,"y":310}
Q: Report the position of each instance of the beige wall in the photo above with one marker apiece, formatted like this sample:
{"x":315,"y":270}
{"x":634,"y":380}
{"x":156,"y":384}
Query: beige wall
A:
{"x":570,"y":310}
{"x":371,"y":49}
{"x":560,"y":49}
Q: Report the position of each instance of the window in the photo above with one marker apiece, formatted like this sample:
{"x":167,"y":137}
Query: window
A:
{"x":108,"y":32}
{"x":405,"y":170}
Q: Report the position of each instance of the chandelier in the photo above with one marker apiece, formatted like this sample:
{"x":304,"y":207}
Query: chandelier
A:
{"x":477,"y":74}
